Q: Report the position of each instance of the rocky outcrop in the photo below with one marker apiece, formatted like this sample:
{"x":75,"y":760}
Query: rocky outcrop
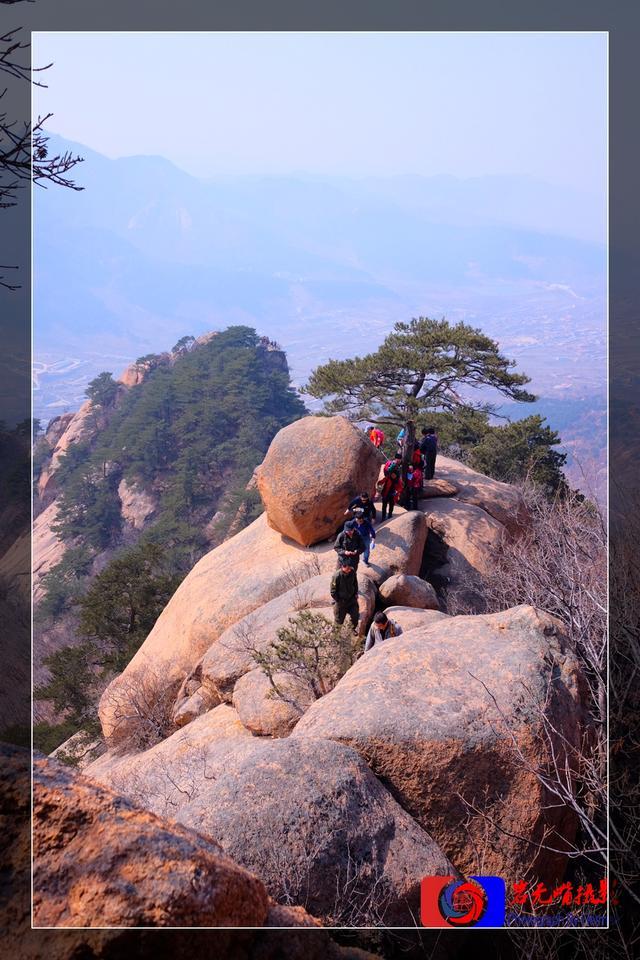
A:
{"x":411,"y":617}
{"x":473,"y":539}
{"x":399,"y":547}
{"x":408,"y":591}
{"x":501,"y":501}
{"x":221,"y":723}
{"x":81,"y":426}
{"x":308,"y":815}
{"x":79,"y":750}
{"x":136,"y":504}
{"x":456,"y":717}
{"x":312,"y":469}
{"x":438,"y":487}
{"x":229,"y":582}
{"x":265,"y":714}
{"x":47,"y":548}
{"x":229,"y":658}
{"x":137,"y":372}
{"x":100,"y":861}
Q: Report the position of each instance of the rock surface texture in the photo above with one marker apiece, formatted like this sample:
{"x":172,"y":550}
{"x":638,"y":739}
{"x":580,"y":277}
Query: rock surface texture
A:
{"x":100,"y":861}
{"x":231,"y":581}
{"x":458,"y":709}
{"x":307,"y":815}
{"x":312,"y":469}
{"x":407,"y":591}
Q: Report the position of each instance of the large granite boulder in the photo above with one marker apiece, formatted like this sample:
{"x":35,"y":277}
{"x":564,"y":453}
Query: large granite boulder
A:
{"x":312,"y":469}
{"x":100,"y":861}
{"x":408,"y":591}
{"x":308,"y":815}
{"x":411,"y":617}
{"x":399,"y":546}
{"x":235,"y":578}
{"x":473,"y":540}
{"x":502,"y":501}
{"x":264,"y":713}
{"x":456,"y":717}
{"x":220,"y":723}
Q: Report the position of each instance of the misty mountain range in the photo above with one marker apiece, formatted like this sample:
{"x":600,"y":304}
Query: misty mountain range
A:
{"x":146,"y":250}
{"x":147,"y":253}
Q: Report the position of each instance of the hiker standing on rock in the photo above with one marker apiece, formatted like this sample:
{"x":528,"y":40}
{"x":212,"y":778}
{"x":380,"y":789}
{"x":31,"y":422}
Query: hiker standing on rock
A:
{"x":429,"y":450}
{"x":344,"y":592}
{"x":368,"y":534}
{"x":414,"y":487}
{"x":391,"y":487}
{"x":364,"y":503}
{"x":381,"y":629}
{"x":349,"y":544}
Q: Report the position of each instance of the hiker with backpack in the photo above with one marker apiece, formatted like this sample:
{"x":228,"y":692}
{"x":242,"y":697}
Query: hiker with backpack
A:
{"x":380,"y":630}
{"x":349,"y":544}
{"x":344,"y":593}
{"x":368,"y":534}
{"x":429,"y":450}
{"x":391,"y":486}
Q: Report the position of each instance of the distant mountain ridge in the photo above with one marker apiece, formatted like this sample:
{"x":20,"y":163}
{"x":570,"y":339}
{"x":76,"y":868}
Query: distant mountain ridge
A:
{"x":146,"y":242}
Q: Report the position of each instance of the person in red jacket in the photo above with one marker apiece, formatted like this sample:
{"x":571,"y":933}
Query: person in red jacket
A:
{"x":414,"y":487}
{"x":376,"y":436}
{"x":391,"y":488}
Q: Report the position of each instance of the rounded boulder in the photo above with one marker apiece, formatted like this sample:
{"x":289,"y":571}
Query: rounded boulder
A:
{"x":312,"y":469}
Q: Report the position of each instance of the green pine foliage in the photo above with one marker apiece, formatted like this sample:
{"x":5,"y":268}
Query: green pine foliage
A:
{"x":522,"y":450}
{"x":192,"y":429}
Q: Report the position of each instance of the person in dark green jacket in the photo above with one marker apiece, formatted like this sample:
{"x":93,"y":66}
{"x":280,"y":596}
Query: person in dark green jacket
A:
{"x":349,"y":544}
{"x":344,"y":592}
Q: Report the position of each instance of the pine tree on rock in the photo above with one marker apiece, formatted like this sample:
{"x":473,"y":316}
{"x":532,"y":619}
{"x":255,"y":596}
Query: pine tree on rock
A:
{"x":417,"y":370}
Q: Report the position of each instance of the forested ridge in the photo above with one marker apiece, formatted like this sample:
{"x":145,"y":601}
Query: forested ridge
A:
{"x":190,"y":436}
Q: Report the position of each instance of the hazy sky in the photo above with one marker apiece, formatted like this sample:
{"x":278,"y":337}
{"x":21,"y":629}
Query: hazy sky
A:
{"x":337,"y":103}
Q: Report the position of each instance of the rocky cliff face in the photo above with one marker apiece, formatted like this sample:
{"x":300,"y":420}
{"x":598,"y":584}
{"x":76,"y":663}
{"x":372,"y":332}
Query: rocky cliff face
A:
{"x":427,"y":756}
{"x":141,"y":500}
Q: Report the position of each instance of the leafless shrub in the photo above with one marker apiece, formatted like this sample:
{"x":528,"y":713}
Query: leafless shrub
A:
{"x":142,"y":705}
{"x":297,"y":573}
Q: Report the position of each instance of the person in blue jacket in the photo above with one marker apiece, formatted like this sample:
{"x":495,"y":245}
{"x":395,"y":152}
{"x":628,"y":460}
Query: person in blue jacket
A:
{"x":368,"y":534}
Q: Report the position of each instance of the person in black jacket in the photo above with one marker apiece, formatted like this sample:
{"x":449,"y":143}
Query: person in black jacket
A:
{"x":349,"y":544}
{"x":365,"y":503}
{"x":429,"y":450}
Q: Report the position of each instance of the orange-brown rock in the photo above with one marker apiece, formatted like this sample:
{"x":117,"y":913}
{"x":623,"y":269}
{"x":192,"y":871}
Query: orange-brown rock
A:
{"x":399,"y":546}
{"x":307,"y":815}
{"x":448,"y":715}
{"x":408,"y":591}
{"x":501,"y":501}
{"x":473,"y":538}
{"x":101,"y":861}
{"x":262,"y":712}
{"x":21,"y":941}
{"x":225,"y":585}
{"x":220,"y":723}
{"x":410,"y":617}
{"x":312,"y":469}
{"x":136,"y":372}
{"x":438,"y":487}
